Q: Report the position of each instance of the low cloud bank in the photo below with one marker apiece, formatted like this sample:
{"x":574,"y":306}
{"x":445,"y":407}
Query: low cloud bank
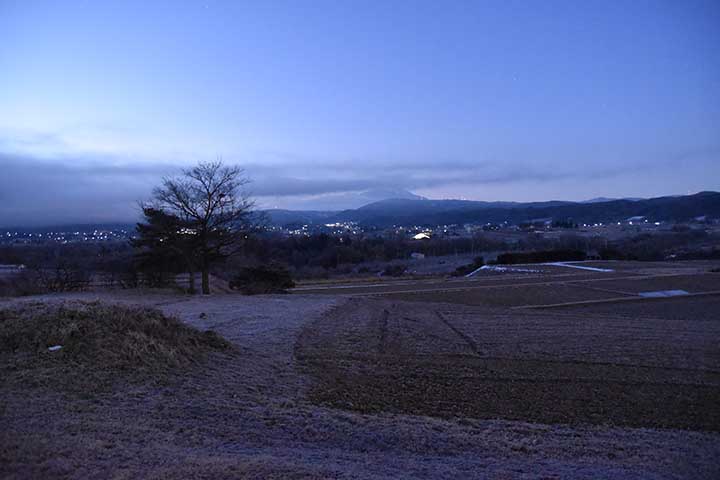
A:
{"x":101,"y":188}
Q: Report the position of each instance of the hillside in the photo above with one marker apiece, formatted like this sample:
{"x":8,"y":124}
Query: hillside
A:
{"x":437,"y":212}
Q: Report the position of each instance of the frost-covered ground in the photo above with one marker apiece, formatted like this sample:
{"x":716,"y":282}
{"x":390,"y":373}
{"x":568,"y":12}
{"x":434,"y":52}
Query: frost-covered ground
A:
{"x":249,"y":416}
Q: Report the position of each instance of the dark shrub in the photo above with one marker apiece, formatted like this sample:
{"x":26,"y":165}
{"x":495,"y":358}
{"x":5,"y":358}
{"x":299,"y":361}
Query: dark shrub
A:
{"x":698,"y":254}
{"x":541,"y":256}
{"x":612,"y":253}
{"x":64,"y":277}
{"x":20,"y":284}
{"x":262,"y":279}
{"x":471,"y":267}
{"x":394,"y":270}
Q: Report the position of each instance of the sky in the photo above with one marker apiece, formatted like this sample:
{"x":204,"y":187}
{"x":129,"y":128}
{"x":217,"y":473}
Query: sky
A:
{"x":330,"y":103}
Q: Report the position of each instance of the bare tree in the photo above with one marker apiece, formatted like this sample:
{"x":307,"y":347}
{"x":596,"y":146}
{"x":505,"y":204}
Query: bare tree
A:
{"x":211,"y":200}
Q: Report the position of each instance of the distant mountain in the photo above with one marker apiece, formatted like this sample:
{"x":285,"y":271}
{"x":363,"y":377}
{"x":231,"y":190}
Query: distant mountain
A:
{"x":281,"y":217}
{"x":309,"y":214}
{"x":398,"y":211}
{"x":439,"y":212}
{"x":351,"y":200}
{"x":419,"y":211}
{"x":378,"y":194}
{"x":606,"y":199}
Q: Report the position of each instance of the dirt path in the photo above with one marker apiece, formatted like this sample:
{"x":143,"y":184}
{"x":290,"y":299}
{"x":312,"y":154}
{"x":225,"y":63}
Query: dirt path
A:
{"x":250,"y":416}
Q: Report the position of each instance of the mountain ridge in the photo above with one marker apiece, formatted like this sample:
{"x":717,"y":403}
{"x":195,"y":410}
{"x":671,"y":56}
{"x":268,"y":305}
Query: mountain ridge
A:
{"x":428,"y":212}
{"x":438,"y":212}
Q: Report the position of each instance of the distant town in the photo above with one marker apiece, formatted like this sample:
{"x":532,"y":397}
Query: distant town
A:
{"x":422,"y":219}
{"x":20,"y":237}
{"x":508,"y":232}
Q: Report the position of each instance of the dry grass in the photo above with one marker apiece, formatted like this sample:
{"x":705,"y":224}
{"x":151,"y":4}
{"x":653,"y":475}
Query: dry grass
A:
{"x":100,"y":344}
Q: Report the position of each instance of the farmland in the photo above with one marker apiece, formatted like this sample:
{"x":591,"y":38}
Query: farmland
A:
{"x":479,"y":348}
{"x":560,"y":372}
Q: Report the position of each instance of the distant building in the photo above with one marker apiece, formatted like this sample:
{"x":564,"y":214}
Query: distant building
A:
{"x":421,"y":236}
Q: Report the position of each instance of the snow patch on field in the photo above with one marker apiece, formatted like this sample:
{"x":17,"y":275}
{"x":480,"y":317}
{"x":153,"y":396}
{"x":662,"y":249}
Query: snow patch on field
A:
{"x":663,"y":293}
{"x":502,"y":268}
{"x":581,"y":267}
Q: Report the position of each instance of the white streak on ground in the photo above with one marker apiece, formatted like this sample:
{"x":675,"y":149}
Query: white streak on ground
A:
{"x":581,"y":267}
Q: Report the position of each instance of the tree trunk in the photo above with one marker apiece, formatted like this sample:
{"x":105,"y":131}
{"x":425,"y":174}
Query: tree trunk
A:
{"x":205,"y":280}
{"x":191,"y":282}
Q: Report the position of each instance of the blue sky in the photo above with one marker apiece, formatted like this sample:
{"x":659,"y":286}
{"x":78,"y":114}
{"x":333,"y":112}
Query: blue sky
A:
{"x":320,"y":100}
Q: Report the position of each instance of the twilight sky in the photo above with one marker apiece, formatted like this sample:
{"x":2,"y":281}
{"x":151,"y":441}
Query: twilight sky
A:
{"x":322,"y":101}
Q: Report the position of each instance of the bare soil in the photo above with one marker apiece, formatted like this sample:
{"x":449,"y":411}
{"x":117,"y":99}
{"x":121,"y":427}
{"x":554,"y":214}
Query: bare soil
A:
{"x":512,"y":295}
{"x":291,"y":402}
{"x":691,"y":309}
{"x":692,"y":283}
{"x":441,"y":360}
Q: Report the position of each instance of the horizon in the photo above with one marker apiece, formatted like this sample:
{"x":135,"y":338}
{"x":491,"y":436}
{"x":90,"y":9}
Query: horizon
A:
{"x":323,"y":102}
{"x":132,"y":221}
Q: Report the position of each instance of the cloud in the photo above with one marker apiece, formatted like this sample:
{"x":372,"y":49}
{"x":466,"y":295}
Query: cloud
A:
{"x":318,"y":179}
{"x":89,"y":187}
{"x":43,"y":191}
{"x":104,"y":188}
